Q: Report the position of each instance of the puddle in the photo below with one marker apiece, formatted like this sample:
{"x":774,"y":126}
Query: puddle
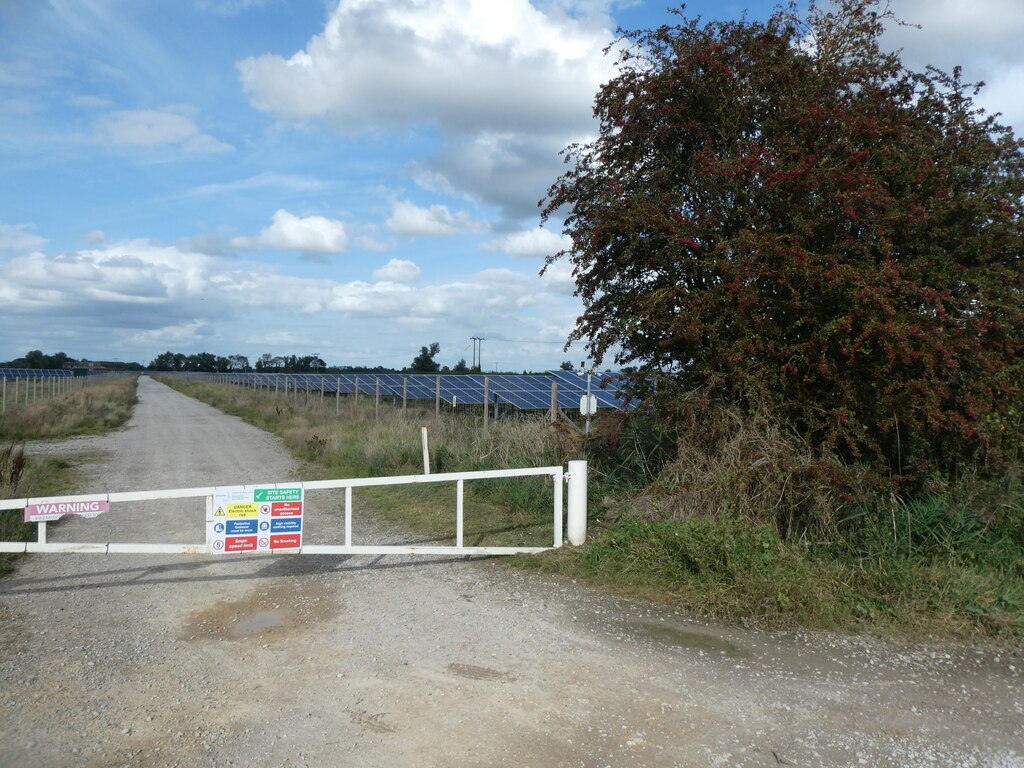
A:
{"x":274,"y":611}
{"x":255,"y":624}
{"x":685,"y":637}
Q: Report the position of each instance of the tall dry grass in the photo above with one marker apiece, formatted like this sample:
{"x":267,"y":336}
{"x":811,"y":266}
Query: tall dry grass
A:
{"x":99,"y":406}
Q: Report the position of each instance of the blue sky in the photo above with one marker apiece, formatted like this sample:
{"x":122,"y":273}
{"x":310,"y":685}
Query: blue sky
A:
{"x":354,"y":179}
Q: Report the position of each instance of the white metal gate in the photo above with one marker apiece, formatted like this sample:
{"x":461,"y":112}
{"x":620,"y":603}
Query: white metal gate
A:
{"x":575,"y":477}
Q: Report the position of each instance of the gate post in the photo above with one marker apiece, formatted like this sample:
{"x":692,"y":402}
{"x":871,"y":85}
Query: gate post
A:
{"x":577,"y":504}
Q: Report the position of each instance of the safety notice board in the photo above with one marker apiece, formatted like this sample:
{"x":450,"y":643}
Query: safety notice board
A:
{"x":249,"y":518}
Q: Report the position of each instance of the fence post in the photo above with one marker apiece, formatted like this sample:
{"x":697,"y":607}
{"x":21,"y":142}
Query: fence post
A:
{"x":487,"y":397}
{"x":577,"y":502}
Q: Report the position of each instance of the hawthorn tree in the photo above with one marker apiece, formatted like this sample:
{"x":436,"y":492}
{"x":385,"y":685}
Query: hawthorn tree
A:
{"x":782,"y":215}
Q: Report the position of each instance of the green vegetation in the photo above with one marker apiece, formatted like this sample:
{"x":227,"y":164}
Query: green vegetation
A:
{"x":693,"y":518}
{"x":22,"y":476}
{"x":102,"y":404}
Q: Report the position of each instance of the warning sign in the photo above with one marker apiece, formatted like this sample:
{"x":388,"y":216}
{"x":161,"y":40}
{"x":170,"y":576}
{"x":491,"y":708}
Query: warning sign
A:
{"x":41,"y":513}
{"x":243,"y":516}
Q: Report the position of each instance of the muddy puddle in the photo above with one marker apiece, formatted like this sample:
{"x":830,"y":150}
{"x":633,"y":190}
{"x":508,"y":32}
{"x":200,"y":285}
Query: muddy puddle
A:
{"x":266,"y":612}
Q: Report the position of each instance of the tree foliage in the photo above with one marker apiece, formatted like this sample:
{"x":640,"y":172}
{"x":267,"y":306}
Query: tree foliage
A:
{"x":424,"y":362}
{"x":781,"y":215}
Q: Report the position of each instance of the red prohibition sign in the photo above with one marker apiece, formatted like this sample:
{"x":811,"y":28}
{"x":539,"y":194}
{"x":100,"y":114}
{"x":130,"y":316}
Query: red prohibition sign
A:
{"x":264,"y":542}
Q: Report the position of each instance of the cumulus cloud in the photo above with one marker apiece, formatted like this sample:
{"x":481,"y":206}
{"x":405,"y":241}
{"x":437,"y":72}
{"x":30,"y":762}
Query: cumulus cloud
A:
{"x":990,"y":30}
{"x":532,"y":243}
{"x":381,"y":62}
{"x":397,"y":271}
{"x":407,"y":218}
{"x":157,"y":128}
{"x":94,"y":237}
{"x":310,"y":234}
{"x":507,"y":84}
{"x":18,"y":237}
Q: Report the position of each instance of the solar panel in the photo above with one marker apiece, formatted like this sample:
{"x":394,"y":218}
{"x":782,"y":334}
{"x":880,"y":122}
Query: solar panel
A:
{"x":530,"y":392}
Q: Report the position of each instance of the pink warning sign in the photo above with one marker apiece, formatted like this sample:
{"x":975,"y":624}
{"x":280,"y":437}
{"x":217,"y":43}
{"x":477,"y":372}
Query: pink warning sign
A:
{"x":40,"y":513}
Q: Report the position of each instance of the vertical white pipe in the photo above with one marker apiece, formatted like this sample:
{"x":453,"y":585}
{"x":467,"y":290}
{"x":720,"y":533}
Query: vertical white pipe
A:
{"x":459,"y":487}
{"x":348,"y":515}
{"x":426,"y":451}
{"x":577,"y":502}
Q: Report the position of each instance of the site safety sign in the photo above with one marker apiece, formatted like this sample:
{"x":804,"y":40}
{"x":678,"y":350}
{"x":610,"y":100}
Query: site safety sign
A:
{"x":249,"y":518}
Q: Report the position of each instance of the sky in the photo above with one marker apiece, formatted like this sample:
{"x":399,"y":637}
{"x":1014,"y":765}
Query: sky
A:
{"x":353,"y":179}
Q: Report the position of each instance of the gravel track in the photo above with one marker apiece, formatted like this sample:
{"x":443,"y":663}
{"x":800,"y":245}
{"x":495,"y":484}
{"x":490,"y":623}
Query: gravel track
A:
{"x":135,"y":660}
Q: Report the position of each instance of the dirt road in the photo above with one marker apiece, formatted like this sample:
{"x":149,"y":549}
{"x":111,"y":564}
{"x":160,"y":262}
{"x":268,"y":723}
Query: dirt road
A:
{"x":356,"y":661}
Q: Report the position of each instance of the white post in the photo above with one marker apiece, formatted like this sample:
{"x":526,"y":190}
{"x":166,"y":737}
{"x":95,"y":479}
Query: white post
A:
{"x":559,"y":509}
{"x":209,"y":523}
{"x":459,"y":487}
{"x":348,"y":515}
{"x":41,"y":529}
{"x":487,"y":397}
{"x":426,"y":451}
{"x":577,"y":502}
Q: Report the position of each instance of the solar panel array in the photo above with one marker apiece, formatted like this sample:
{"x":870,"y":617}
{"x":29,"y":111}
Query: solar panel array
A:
{"x":525,"y":392}
{"x":35,"y":373}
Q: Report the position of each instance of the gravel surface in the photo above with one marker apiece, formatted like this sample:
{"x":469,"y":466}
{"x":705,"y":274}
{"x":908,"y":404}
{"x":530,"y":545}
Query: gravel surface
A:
{"x":296,"y":660}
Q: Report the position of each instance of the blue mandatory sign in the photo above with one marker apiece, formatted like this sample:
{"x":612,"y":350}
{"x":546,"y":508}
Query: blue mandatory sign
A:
{"x":286,"y":525}
{"x":236,"y":527}
{"x":264,"y":525}
{"x":218,"y":527}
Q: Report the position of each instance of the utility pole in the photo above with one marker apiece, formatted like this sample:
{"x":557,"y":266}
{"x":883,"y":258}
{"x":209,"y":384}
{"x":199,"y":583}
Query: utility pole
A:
{"x":478,"y":352}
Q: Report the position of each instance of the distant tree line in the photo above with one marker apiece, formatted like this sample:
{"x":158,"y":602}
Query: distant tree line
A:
{"x":38,"y":359}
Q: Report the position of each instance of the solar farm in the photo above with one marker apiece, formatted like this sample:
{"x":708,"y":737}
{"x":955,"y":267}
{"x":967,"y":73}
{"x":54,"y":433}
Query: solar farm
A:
{"x":524,"y":392}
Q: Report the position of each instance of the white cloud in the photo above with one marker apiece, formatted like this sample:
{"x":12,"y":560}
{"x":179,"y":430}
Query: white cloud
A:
{"x":17,"y":237}
{"x":507,"y":84}
{"x":532,"y":243}
{"x":156,"y":128}
{"x":310,"y":234}
{"x":261,"y":181}
{"x":398,"y":271}
{"x":387,"y":62}
{"x":982,"y":36}
{"x":186,"y":335}
{"x":94,"y":237}
{"x":407,"y":218}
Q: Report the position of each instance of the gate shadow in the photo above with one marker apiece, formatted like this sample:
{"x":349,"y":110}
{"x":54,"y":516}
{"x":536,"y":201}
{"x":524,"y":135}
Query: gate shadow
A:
{"x":192,"y":572}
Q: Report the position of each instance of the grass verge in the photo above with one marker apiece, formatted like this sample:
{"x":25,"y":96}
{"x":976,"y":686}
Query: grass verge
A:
{"x":26,"y":476}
